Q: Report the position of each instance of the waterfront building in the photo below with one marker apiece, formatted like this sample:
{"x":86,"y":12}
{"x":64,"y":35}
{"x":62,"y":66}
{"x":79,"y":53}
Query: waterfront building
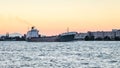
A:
{"x":109,"y":34}
{"x":98,"y":34}
{"x":116,"y":32}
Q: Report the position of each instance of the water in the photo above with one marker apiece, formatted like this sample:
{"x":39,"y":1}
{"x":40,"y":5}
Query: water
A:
{"x":80,"y":54}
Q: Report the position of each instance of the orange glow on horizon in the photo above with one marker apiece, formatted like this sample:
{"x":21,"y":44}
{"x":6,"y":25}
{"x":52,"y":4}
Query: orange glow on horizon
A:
{"x":52,"y":17}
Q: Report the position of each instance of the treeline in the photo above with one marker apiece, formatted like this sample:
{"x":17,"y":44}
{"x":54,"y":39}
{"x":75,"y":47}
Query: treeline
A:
{"x":107,"y":38}
{"x":16,"y":38}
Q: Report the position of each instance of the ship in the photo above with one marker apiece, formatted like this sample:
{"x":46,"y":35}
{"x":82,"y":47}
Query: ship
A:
{"x":34,"y":36}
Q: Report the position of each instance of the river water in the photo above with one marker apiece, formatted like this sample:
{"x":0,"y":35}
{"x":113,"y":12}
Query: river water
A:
{"x":79,"y":54}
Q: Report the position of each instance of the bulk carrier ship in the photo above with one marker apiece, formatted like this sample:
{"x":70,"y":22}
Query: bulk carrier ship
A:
{"x":33,"y":36}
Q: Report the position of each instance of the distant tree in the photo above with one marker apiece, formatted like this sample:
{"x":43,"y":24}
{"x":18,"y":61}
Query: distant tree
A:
{"x":39,"y":35}
{"x":86,"y":38}
{"x":23,"y":38}
{"x":16,"y":38}
{"x":117,"y":38}
{"x":99,"y":38}
{"x":89,"y":38}
{"x":107,"y":38}
{"x":1,"y":39}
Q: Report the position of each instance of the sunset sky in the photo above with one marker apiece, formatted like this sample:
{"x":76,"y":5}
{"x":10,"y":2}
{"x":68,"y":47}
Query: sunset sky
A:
{"x":54,"y":16}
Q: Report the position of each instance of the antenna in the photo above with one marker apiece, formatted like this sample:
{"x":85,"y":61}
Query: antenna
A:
{"x":67,"y":29}
{"x":28,"y":28}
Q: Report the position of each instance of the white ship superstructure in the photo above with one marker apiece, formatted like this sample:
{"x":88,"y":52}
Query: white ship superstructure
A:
{"x":33,"y":33}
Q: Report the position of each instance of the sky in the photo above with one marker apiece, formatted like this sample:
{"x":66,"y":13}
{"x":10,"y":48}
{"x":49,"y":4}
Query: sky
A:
{"x":52,"y":17}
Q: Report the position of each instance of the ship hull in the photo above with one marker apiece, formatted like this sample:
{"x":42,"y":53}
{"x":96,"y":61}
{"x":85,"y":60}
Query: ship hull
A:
{"x":42,"y":39}
{"x":65,"y":38}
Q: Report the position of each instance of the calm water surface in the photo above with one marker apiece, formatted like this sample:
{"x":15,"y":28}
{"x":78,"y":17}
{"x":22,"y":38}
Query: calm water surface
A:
{"x":80,"y":54}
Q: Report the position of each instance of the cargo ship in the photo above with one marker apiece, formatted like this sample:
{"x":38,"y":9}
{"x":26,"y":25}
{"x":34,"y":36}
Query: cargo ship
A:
{"x":33,"y":36}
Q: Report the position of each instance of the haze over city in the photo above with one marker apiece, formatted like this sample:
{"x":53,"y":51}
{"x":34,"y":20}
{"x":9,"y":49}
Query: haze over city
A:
{"x":52,"y":17}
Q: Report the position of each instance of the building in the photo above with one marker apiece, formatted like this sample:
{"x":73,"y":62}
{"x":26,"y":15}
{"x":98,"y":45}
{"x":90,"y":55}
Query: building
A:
{"x":99,"y":34}
{"x":116,"y":32}
{"x":109,"y":34}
